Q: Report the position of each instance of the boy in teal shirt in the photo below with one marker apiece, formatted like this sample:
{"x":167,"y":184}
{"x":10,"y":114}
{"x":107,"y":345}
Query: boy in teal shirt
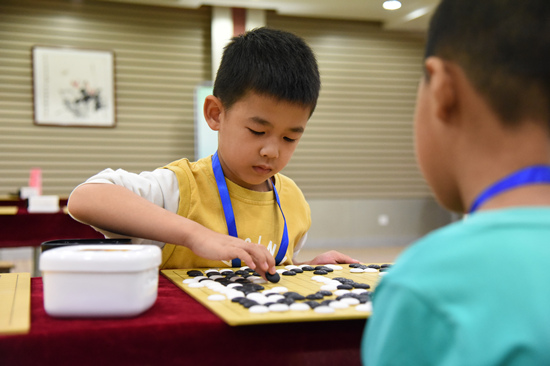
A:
{"x":474,"y":293}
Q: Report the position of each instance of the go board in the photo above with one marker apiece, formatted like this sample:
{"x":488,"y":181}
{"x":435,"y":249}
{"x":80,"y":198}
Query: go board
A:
{"x":15,"y":303}
{"x":305,"y":283}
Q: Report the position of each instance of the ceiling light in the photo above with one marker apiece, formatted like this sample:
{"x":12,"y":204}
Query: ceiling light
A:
{"x":391,"y":5}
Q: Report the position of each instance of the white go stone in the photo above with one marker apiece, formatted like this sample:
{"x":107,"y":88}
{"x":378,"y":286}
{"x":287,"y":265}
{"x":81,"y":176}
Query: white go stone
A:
{"x":367,"y":307}
{"x":196,"y":285}
{"x":299,"y":306}
{"x":341,"y":292}
{"x":275,"y":298}
{"x":318,"y":278}
{"x":190,"y":280}
{"x":322,"y":309}
{"x":279,"y":289}
{"x":291,"y":266}
{"x":279,"y":308}
{"x":381,"y":274}
{"x":358,"y":291}
{"x":281,"y":270}
{"x":233,"y":294}
{"x":356,"y":270}
{"x":350,"y":301}
{"x":338,"y":305}
{"x":216,"y":297}
{"x":371,"y":270}
{"x":329,"y":287}
{"x":334,"y":267}
{"x":258,"y":309}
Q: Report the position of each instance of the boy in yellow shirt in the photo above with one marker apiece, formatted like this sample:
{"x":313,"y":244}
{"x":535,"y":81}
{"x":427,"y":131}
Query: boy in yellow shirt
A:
{"x":265,"y":91}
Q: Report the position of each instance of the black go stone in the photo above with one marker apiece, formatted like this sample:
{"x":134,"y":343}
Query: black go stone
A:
{"x":355,"y":265}
{"x":324,"y":268}
{"x":320,"y":272}
{"x":364,"y":286}
{"x":241,"y":272}
{"x":316,"y":296}
{"x":297,"y":270}
{"x":312,"y":304}
{"x":375,"y":266}
{"x":308,"y":268}
{"x":294,"y":295}
{"x":248,"y":303}
{"x":274,"y":278}
{"x":289,"y":273}
{"x":194,"y":273}
{"x":286,"y":300}
{"x":344,"y":287}
{"x":343,"y":280}
{"x":324,"y":293}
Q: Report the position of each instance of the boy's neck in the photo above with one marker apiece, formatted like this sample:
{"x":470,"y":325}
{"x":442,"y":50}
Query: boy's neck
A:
{"x":504,"y":152}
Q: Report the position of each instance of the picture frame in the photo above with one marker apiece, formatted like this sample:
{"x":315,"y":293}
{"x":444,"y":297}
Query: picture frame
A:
{"x":73,"y":87}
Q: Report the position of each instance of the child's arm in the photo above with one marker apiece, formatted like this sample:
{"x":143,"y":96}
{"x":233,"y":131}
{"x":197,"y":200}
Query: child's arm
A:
{"x":119,"y":210}
{"x":330,"y":257}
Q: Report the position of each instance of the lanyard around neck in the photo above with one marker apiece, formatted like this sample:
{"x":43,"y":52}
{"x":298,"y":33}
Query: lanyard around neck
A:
{"x":536,"y":174}
{"x":230,"y":216}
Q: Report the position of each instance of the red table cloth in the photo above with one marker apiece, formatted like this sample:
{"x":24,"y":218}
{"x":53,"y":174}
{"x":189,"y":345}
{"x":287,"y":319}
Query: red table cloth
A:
{"x":177,"y":330}
{"x":26,"y":229}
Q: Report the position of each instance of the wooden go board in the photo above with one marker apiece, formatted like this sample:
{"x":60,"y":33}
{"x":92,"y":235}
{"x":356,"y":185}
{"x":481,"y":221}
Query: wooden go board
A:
{"x":15,"y":303}
{"x":235,"y":314}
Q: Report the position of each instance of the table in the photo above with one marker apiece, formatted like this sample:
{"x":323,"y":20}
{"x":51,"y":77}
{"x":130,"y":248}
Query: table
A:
{"x":23,"y":229}
{"x":19,"y":228}
{"x":177,"y":330}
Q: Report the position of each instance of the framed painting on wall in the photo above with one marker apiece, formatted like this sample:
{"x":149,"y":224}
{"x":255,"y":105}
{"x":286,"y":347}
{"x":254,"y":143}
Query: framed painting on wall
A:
{"x":73,"y":87}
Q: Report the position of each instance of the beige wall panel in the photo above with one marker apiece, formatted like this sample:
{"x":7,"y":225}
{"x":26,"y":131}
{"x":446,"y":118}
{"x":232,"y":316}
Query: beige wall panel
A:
{"x":161,"y":55}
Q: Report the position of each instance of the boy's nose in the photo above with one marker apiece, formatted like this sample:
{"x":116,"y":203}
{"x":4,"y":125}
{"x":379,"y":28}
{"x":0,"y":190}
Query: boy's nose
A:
{"x":270,"y":150}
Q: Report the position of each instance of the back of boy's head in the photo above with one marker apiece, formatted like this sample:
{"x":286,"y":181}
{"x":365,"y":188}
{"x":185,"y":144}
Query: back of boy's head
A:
{"x":268,"y":62}
{"x":503,"y":46}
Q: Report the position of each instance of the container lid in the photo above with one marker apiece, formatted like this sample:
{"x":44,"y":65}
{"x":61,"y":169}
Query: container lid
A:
{"x":101,"y":258}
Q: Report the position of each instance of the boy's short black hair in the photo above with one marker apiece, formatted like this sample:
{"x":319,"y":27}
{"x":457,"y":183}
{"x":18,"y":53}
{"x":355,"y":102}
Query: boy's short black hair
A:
{"x":268,"y":62}
{"x":504,"y":48}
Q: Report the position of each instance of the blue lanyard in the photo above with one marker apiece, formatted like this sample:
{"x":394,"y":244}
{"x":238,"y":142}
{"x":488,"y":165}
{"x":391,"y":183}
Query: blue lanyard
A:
{"x":230,"y":217}
{"x":536,"y":174}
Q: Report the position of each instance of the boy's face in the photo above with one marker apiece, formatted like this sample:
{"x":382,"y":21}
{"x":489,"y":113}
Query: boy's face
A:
{"x":431,"y":144}
{"x":257,"y":137}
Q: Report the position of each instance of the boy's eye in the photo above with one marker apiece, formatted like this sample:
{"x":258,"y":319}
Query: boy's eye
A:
{"x":288,"y":139}
{"x":257,"y":133}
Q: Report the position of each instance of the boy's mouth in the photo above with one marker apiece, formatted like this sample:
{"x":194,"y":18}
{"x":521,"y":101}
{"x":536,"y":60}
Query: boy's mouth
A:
{"x":262,"y":169}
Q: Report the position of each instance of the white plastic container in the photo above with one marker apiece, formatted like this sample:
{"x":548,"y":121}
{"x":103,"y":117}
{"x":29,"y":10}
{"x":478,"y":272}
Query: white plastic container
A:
{"x":100,"y":280}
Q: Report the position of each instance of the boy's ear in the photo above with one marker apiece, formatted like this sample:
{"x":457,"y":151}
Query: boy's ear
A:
{"x":441,"y":86}
{"x":213,"y":111}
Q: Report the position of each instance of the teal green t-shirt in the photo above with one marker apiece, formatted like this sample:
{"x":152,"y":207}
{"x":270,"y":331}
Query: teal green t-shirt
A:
{"x":476,"y":292}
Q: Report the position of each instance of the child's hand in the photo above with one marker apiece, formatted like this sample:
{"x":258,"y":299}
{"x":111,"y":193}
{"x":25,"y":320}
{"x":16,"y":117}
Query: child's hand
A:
{"x":218,"y":246}
{"x":332,"y":257}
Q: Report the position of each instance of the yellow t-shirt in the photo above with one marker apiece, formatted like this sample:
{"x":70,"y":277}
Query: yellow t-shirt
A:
{"x":257,"y":215}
